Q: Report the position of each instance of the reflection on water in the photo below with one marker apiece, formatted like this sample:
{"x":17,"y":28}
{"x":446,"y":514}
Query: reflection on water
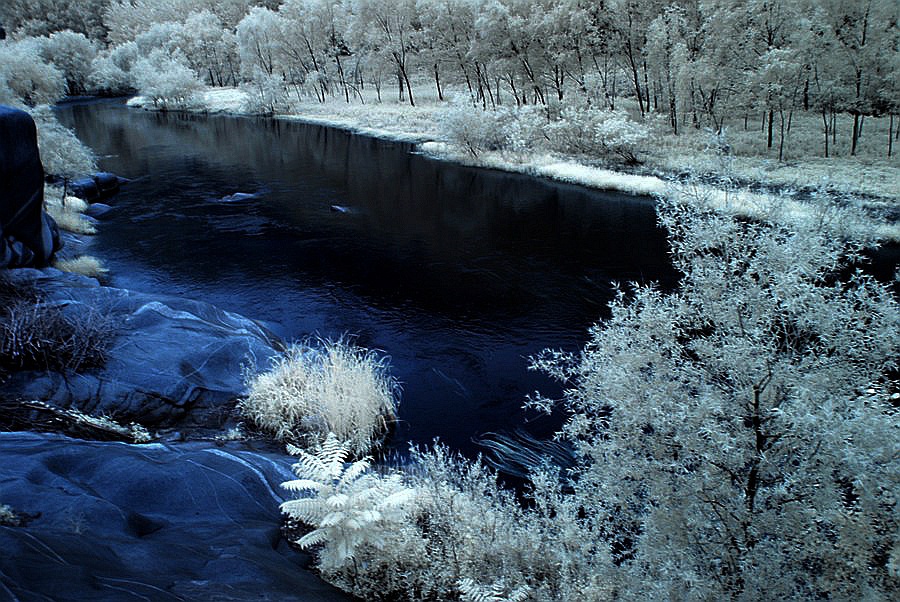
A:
{"x":458,"y":274}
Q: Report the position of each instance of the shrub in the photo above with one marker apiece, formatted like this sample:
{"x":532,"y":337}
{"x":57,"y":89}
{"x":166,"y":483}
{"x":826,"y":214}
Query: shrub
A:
{"x":25,"y":78}
{"x":62,"y":153}
{"x":266,"y":93}
{"x":589,"y":131}
{"x":720,"y":428}
{"x":475,"y":130}
{"x":86,"y":265}
{"x":165,"y":79}
{"x":71,"y":53}
{"x":37,"y":335}
{"x":110,"y":70}
{"x":349,"y":506}
{"x":339,"y":388}
{"x":458,"y":536}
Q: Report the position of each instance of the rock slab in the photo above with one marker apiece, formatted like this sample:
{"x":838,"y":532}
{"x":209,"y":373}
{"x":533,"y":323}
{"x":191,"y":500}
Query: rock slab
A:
{"x":113,"y":521}
{"x":173,"y":362}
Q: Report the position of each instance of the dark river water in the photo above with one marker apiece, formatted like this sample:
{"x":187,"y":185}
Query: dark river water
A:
{"x":458,"y":274}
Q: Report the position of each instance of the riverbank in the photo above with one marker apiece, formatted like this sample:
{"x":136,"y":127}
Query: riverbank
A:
{"x":757,"y":186}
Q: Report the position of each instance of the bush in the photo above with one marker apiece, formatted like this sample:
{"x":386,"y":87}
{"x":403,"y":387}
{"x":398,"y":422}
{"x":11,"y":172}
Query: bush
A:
{"x":86,"y":265}
{"x":475,"y":130}
{"x":165,"y":79}
{"x":458,"y":535}
{"x":110,"y":70}
{"x":62,"y":153}
{"x":25,"y":78}
{"x":266,"y":93}
{"x":339,"y":388}
{"x":37,"y":335}
{"x":590,"y":131}
{"x":72,"y":54}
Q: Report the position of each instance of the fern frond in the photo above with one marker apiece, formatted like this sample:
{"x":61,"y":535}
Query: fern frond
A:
{"x":333,"y":452}
{"x":310,"y":466}
{"x":331,"y":519}
{"x":312,"y":538}
{"x":337,"y":500}
{"x":307,"y":510}
{"x":354,"y":471}
{"x":304,"y":485}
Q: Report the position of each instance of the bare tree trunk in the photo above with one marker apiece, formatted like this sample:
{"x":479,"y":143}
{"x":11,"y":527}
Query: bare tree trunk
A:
{"x":781,"y":139}
{"x":825,"y":122}
{"x":437,"y":82}
{"x":769,"y":136}
{"x":412,"y":102}
{"x":854,"y":137}
{"x":891,"y":136}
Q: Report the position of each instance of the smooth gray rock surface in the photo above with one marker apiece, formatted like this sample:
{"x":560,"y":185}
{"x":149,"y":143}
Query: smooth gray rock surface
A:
{"x":173,"y":361}
{"x":188,"y":521}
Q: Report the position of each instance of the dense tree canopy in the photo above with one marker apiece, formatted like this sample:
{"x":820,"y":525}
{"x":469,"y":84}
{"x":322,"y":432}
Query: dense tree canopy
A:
{"x":695,"y":63}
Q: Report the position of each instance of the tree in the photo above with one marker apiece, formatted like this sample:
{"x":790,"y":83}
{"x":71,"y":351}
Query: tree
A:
{"x":166,"y":79}
{"x":390,"y":29}
{"x":209,"y":48}
{"x":25,"y":78}
{"x":71,"y":53}
{"x":735,"y":437}
{"x":43,"y":17}
{"x":258,"y":36}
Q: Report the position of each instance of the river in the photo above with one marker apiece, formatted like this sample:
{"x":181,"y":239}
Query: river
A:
{"x":457,"y":273}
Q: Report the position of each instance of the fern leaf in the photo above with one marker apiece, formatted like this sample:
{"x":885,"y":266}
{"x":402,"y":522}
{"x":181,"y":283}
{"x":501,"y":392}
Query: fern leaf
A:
{"x":354,"y":471}
{"x":304,"y":485}
{"x":312,"y":538}
{"x":337,"y":500}
{"x":332,"y":518}
{"x":307,"y":510}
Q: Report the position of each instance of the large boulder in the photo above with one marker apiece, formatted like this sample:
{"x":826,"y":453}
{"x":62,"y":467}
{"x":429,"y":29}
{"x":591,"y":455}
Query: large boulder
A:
{"x":111,"y":521}
{"x":173,"y":362}
{"x":28,"y":236}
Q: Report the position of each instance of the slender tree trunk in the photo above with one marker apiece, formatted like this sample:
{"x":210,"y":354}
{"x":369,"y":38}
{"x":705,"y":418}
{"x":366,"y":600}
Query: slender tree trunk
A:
{"x":437,"y":82}
{"x":891,"y":136}
{"x":769,"y":136}
{"x":854,"y":137}
{"x":674,"y":113}
{"x":781,"y":139}
{"x":825,"y":129}
{"x":646,"y":87}
{"x":412,"y":102}
{"x":637,"y":87}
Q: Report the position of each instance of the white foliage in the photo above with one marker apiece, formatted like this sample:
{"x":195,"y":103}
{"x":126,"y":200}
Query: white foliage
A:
{"x":593,"y":131}
{"x":62,"y":153}
{"x":348,"y":505}
{"x":496,"y":592}
{"x":165,"y":79}
{"x":266,"y":93}
{"x":71,"y":53}
{"x":25,"y":78}
{"x":342,"y":389}
{"x":721,"y":428}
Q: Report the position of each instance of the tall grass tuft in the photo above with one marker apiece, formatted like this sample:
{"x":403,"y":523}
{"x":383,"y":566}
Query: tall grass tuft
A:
{"x":321,"y":387}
